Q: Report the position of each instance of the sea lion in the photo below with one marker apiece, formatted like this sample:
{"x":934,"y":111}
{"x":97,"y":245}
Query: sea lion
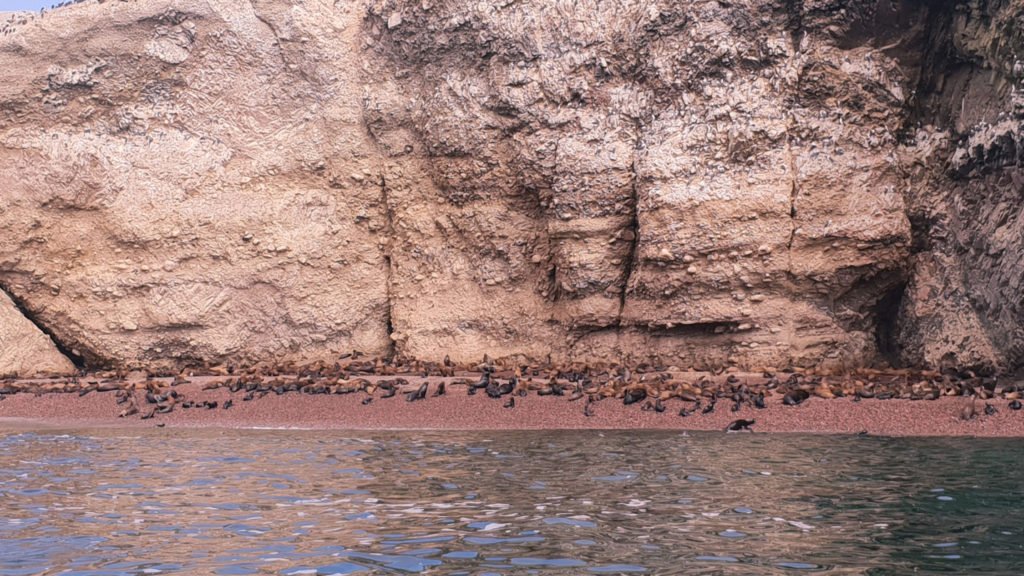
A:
{"x":228,"y":403}
{"x":485,"y":379}
{"x":634,"y":395}
{"x":759,"y":401}
{"x":990,"y":410}
{"x":740,"y":425}
{"x":968,"y":412}
{"x":493,"y":389}
{"x":587,"y":410}
{"x":131,"y":410}
{"x":419,"y":394}
{"x":577,"y":393}
{"x":440,"y":389}
{"x":510,"y":403}
{"x":109,"y":386}
{"x":795,"y":397}
{"x":823,"y":390}
{"x":367,"y":400}
{"x":710,"y":407}
{"x":1016,"y":405}
{"x":552,"y":388}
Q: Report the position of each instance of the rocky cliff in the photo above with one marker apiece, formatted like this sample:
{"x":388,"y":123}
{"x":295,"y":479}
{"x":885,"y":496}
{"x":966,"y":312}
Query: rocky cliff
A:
{"x":808,"y":183}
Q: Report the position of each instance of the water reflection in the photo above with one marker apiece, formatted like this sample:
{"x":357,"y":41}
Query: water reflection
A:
{"x":264,"y":502}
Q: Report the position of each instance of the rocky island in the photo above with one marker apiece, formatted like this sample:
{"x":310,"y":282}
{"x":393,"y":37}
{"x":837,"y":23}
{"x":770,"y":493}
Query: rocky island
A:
{"x":810,"y":187}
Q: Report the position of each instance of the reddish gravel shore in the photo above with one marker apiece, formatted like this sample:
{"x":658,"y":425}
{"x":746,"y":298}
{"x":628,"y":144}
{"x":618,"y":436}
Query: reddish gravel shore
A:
{"x":458,"y":411}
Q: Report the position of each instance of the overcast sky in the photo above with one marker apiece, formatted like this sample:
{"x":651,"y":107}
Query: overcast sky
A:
{"x":11,"y":5}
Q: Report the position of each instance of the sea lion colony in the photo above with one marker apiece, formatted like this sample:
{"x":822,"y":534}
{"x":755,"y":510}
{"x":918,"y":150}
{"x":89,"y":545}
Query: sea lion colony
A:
{"x":646,"y":386}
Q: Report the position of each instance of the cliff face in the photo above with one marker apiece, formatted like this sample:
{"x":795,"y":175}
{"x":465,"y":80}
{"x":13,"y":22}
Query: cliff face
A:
{"x":810,"y":183}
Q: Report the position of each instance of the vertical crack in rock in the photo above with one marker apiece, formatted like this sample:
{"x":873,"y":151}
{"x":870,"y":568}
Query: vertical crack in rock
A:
{"x":794,"y":191}
{"x":634,"y":223}
{"x":795,"y":22}
{"x":68,"y":352}
{"x":795,"y":9}
{"x":389,"y":231}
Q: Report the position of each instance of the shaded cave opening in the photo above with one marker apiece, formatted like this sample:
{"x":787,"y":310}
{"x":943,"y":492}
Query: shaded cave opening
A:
{"x":887,"y":330}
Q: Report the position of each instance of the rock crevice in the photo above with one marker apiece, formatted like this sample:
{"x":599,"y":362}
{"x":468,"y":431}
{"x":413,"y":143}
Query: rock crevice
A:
{"x":26,"y":347}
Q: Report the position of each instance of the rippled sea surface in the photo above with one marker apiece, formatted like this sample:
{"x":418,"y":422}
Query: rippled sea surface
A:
{"x":295,"y":502}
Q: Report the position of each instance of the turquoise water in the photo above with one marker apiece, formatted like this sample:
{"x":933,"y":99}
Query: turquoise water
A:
{"x":115,"y":502}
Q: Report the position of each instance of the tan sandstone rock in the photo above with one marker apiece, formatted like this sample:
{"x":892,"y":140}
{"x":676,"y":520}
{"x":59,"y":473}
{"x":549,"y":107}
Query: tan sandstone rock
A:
{"x":25,"y":350}
{"x":703,"y":183}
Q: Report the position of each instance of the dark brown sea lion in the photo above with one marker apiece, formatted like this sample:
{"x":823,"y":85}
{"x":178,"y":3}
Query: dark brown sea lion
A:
{"x":759,"y":401}
{"x":419,"y":394}
{"x":795,"y":397}
{"x":710,"y":407}
{"x":740,"y":425}
{"x":634,"y":395}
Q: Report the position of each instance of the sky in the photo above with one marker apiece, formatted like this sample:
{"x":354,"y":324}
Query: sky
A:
{"x":11,"y":5}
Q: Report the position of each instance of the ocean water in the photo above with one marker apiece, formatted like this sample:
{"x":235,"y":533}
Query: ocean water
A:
{"x":120,"y":502}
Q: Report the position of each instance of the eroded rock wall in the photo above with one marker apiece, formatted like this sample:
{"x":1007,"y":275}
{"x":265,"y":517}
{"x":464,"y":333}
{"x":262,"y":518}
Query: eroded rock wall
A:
{"x":699,"y":182}
{"x":753,"y":183}
{"x":963,"y":155}
{"x":191,"y":181}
